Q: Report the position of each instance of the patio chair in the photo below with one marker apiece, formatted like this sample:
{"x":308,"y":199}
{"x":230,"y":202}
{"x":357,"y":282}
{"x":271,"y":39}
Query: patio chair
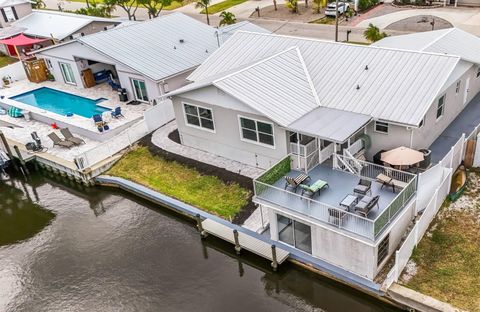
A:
{"x":99,"y":122}
{"x":57,"y":141}
{"x":117,"y":112}
{"x":293,"y":183}
{"x":70,"y":137}
{"x":337,"y":216}
{"x":310,"y":190}
{"x":366,"y":204}
{"x":363,"y":187}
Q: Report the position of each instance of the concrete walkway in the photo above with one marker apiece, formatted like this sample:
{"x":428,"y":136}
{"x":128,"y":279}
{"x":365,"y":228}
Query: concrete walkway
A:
{"x":465,"y":122}
{"x":461,"y":17}
{"x":160,"y":139}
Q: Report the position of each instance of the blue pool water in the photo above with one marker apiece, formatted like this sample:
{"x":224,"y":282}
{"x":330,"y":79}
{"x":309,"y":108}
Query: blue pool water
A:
{"x":60,"y":102}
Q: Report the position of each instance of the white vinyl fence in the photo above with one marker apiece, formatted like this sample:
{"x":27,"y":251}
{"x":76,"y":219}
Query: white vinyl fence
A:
{"x":433,"y":188}
{"x":15,"y":71}
{"x":154,"y":118}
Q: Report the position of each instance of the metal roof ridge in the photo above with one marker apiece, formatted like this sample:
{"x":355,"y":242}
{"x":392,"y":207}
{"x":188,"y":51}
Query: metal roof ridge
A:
{"x":309,"y":78}
{"x":439,"y":37}
{"x":242,"y":69}
{"x":343,"y":43}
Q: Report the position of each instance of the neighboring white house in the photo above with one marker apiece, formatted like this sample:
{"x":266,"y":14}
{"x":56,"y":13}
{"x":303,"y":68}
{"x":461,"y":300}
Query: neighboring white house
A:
{"x":311,"y":105}
{"x":148,"y":59}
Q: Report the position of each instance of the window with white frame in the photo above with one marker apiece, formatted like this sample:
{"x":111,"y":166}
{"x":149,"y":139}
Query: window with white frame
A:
{"x":199,"y":116}
{"x":67,"y":73}
{"x":257,"y":131}
{"x":441,"y":107}
{"x":49,"y":63}
{"x":381,"y":127}
{"x":9,"y":14}
{"x":457,"y":87}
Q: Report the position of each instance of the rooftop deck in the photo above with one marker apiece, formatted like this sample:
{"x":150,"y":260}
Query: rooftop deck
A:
{"x":326,"y":208}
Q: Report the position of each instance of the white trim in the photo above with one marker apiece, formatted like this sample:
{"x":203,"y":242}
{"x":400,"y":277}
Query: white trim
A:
{"x":256,"y":142}
{"x":194,"y":126}
{"x":381,"y":132}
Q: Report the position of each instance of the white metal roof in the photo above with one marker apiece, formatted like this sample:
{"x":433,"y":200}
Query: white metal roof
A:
{"x":386,"y":84}
{"x":9,"y":3}
{"x":226,"y":32}
{"x":154,"y":47}
{"x":452,"y":41}
{"x":279,"y":104}
{"x":330,"y":124}
{"x":10,"y":31}
{"x":57,"y":24}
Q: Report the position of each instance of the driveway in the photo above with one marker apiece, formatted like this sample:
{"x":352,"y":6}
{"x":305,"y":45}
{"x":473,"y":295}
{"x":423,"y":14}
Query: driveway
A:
{"x":464,"y":18}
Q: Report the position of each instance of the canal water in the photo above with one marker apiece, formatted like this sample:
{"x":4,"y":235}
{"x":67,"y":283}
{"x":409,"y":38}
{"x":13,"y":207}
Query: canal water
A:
{"x":69,"y":248}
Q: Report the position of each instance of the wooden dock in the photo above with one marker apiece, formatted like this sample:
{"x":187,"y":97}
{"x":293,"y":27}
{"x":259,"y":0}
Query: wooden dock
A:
{"x":244,"y":241}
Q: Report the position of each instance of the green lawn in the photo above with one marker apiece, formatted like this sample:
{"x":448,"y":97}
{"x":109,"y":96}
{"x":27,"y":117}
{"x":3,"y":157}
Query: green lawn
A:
{"x":173,"y":6}
{"x":222,"y":6}
{"x":447,"y":259}
{"x":188,"y":185}
{"x":5,"y":60}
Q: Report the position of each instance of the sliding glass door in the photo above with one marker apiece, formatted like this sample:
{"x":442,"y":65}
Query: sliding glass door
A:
{"x":67,"y":73}
{"x":140,"y":90}
{"x":294,"y":233}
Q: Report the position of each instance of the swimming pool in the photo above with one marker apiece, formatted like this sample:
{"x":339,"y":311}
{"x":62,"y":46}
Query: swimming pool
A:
{"x":60,"y":102}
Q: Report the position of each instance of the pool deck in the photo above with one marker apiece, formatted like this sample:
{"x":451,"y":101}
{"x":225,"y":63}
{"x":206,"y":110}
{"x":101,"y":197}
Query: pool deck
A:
{"x":19,"y":129}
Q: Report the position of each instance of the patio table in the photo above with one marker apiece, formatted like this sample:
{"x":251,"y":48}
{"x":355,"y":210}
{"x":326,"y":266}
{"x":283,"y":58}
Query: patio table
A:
{"x":349,"y":201}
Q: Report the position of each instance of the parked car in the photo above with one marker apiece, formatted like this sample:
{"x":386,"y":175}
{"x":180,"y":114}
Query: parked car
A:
{"x":342,"y":8}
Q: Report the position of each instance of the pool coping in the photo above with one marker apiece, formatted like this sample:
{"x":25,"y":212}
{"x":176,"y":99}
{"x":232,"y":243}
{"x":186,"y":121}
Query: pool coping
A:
{"x":305,"y":260}
{"x":13,"y":98}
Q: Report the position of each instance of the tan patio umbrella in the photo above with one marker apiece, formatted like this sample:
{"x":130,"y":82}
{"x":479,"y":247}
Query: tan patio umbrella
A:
{"x":402,"y":156}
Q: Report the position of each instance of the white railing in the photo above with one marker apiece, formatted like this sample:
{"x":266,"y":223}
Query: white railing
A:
{"x":316,"y":210}
{"x":304,"y":150}
{"x":356,"y":147}
{"x":326,"y":152}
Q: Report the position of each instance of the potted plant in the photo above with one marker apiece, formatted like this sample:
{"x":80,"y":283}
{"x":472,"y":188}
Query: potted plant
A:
{"x":50,"y":77}
{"x":6,"y":80}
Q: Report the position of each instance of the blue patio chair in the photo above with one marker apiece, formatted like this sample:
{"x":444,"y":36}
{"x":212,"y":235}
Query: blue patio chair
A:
{"x":99,"y":123}
{"x":117,"y":112}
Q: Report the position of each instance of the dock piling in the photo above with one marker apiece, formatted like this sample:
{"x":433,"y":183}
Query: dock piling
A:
{"x":22,"y":161}
{"x":8,"y":150}
{"x":238,"y":248}
{"x":274,"y":258}
{"x":203,"y":234}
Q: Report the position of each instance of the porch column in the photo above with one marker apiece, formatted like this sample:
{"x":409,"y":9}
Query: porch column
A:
{"x":335,"y":163}
{"x":298,"y":150}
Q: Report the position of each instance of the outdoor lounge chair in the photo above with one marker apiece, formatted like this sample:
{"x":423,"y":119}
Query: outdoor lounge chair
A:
{"x":310,"y":190}
{"x":293,"y":183}
{"x":69,"y":137}
{"x":363,"y":187}
{"x":366,"y":204}
{"x":386,"y":180}
{"x":57,"y":141}
{"x":117,"y":112}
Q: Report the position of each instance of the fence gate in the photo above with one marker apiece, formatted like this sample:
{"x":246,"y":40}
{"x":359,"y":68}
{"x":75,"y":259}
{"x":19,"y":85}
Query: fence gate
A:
{"x":36,"y":70}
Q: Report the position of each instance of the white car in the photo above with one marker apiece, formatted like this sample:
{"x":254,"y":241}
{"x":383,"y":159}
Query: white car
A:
{"x":342,"y":8}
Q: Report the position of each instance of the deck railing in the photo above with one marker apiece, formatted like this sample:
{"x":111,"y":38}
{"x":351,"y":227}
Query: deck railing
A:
{"x":370,"y":229}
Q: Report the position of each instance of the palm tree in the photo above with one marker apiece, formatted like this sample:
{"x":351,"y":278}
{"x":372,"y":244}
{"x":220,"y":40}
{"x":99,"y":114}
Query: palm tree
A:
{"x":372,"y":33}
{"x":227,"y":18}
{"x":203,"y":4}
{"x":38,"y":4}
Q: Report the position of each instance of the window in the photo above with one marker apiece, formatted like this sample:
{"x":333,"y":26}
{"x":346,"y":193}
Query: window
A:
{"x":478,"y":72}
{"x":199,"y":116}
{"x":383,"y":249}
{"x":9,"y":14}
{"x":441,"y":107}
{"x":257,"y":131}
{"x":457,"y":88}
{"x":140,"y":90}
{"x":422,"y":123}
{"x":49,"y":63}
{"x":381,"y":127}
{"x":294,"y":233}
{"x":67,"y":73}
